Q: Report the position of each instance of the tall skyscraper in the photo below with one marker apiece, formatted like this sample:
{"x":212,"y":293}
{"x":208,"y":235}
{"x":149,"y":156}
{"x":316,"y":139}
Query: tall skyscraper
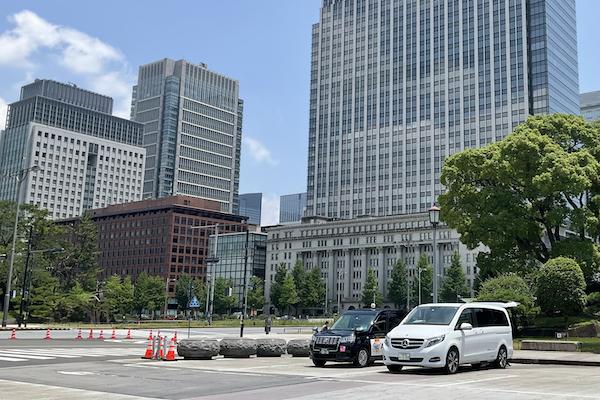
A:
{"x":251,"y":207}
{"x":399,"y":85}
{"x":590,"y":105}
{"x":87,"y":158}
{"x":192,"y":121}
{"x":291,"y":207}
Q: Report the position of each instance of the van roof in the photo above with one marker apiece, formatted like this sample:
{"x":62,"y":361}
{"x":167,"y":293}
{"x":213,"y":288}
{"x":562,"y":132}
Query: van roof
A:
{"x":487,"y":304}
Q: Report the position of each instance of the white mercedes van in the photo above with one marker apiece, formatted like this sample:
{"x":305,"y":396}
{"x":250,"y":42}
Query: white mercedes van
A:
{"x":448,"y":335}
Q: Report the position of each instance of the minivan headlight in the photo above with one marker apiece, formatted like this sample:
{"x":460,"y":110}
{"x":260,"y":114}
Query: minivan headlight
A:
{"x":434,"y":340}
{"x":387,"y":341}
{"x":348,"y":339}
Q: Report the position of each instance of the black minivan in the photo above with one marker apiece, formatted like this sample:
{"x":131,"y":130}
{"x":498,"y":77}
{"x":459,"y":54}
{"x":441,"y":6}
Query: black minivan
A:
{"x":356,"y":337}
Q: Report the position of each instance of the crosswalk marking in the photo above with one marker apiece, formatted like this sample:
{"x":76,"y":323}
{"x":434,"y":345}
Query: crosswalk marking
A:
{"x":30,"y":354}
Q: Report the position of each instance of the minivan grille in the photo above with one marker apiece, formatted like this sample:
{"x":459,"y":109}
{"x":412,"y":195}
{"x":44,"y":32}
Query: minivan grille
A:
{"x":406,"y":343}
{"x":327,"y":341}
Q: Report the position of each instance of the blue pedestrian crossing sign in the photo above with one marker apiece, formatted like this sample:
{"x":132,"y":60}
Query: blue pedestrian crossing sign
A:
{"x":194,"y":303}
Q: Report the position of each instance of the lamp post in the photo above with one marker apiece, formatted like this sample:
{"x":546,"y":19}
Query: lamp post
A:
{"x":434,"y":219}
{"x":21,"y":175}
{"x":210,"y":261}
{"x":339,"y":291}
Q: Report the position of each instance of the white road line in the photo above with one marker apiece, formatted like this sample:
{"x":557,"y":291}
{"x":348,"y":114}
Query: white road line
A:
{"x":28,"y":356}
{"x":35,"y":352}
{"x":11,"y":359}
{"x":481,"y":380}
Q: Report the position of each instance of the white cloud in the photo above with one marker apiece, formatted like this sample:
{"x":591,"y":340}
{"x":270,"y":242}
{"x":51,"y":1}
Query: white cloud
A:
{"x":259,"y":151}
{"x":103,"y":67}
{"x":3,"y":109}
{"x":270,"y":210}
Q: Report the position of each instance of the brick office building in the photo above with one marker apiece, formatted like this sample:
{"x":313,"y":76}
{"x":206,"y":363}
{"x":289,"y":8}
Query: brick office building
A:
{"x":161,"y":237}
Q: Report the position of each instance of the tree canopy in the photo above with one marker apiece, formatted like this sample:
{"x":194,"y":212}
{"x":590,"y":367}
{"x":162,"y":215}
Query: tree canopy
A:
{"x":276,"y":286}
{"x":506,"y":288}
{"x":561,"y":287}
{"x":256,"y":296}
{"x":371,"y":293}
{"x":397,"y":285}
{"x":517,"y":195}
{"x":454,"y":285}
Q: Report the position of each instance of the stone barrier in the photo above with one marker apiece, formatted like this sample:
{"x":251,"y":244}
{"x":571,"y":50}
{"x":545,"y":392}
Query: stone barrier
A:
{"x":270,"y":347}
{"x":198,"y":349}
{"x":550,"y":345}
{"x":238,"y":348}
{"x":299,"y":347}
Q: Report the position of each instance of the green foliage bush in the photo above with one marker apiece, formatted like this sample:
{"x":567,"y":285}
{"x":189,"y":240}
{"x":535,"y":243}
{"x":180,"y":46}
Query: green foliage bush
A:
{"x":561,"y":287}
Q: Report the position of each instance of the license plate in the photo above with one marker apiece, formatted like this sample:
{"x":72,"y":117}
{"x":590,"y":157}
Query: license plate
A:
{"x":403,"y":357}
{"x":324,"y":351}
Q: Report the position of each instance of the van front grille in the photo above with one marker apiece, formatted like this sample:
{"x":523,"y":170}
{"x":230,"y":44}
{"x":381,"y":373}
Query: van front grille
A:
{"x":407,"y":343}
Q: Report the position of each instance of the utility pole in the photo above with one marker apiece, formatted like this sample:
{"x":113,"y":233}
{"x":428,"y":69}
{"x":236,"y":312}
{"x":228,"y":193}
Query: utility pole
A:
{"x":214,"y":274}
{"x":25,"y":273}
{"x":339,"y":293}
{"x":245,"y":289}
{"x":326,"y":289}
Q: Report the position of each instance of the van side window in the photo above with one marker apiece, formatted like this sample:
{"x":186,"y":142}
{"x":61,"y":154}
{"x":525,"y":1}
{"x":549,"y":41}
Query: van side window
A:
{"x":379,"y":325}
{"x":500,"y":318}
{"x":466,"y":316}
{"x":487,"y":317}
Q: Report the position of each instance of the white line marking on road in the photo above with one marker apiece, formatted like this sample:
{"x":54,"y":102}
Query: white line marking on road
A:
{"x":23,"y":355}
{"x":482,"y":380}
{"x":11,"y":359}
{"x":36,"y":352}
{"x":78,"y":373}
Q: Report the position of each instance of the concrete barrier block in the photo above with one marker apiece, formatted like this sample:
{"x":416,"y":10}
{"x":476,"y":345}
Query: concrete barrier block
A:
{"x":238,"y":348}
{"x":270,"y":347}
{"x":299,"y":347}
{"x":198,"y":349}
{"x":550,"y":345}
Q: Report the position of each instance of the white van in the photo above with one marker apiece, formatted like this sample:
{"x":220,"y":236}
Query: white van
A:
{"x":448,"y":335}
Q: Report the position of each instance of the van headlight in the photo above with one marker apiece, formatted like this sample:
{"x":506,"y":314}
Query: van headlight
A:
{"x":388,"y":341}
{"x":313,"y":339}
{"x":434,"y":340}
{"x":348,"y":339}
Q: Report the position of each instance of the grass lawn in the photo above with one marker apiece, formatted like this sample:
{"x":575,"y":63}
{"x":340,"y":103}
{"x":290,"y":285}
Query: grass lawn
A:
{"x":229,"y":323}
{"x":589,"y":345}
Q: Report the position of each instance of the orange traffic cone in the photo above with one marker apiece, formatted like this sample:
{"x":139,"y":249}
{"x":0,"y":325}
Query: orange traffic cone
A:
{"x":148,"y":354}
{"x":114,"y":335}
{"x":128,"y":334}
{"x":13,"y":334}
{"x":171,"y":353}
{"x":79,"y":337}
{"x":48,"y":337}
{"x":101,"y":335}
{"x":150,"y":335}
{"x":91,"y":335}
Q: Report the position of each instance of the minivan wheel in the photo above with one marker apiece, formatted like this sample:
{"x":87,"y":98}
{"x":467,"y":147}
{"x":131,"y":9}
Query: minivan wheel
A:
{"x":362,"y":358}
{"x":502,"y":358}
{"x":452,"y":361}
{"x":394,"y":369}
{"x":319,"y":363}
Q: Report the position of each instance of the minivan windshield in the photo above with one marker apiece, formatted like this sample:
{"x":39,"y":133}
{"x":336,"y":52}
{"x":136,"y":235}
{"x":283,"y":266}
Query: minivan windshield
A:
{"x":430,"y":315}
{"x":352,"y":321}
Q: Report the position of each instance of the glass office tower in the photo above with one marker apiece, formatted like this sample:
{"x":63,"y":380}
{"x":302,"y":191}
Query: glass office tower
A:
{"x":251,"y":207}
{"x":192,"y":131}
{"x":399,"y":85}
{"x":291,"y":207}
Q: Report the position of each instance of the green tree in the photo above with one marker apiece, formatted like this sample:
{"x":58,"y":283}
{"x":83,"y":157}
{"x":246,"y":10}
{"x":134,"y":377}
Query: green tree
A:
{"x":256,"y":293}
{"x":454,"y":285}
{"x":371,"y":293}
{"x":289,"y":295}
{"x":45,"y":294}
{"x":425,"y":271}
{"x":561,"y":287}
{"x":276,"y":286}
{"x":506,"y":288}
{"x":182,"y":291}
{"x":80,"y":260}
{"x":299,"y":274}
{"x":118,"y":297}
{"x":149,"y":293}
{"x":223,"y":303}
{"x":398,"y":285}
{"x":515,"y":195}
{"x":312,"y":294}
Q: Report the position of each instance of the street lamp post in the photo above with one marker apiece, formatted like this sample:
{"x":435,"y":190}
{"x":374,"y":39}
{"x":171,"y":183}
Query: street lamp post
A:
{"x":245,"y":289}
{"x":339,"y":292}
{"x":20,"y":175}
{"x":210,"y":261}
{"x":434,"y":219}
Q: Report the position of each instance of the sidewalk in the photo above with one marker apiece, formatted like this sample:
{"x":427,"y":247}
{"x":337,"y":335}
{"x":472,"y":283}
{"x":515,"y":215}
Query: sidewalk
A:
{"x":556,"y":357}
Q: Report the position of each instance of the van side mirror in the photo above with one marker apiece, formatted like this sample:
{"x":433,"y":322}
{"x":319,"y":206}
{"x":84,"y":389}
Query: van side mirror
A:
{"x":465,"y":326}
{"x":315,"y":330}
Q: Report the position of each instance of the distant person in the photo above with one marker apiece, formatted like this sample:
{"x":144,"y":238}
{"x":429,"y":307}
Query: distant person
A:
{"x":325,"y":326}
{"x":268,"y":324}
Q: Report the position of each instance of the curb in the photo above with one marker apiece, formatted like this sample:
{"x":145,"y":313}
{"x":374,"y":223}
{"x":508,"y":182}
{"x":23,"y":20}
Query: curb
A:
{"x":555,"y":362}
{"x":33,"y":329}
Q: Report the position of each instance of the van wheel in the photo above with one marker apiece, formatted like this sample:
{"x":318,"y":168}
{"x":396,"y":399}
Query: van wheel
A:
{"x":394,"y":369}
{"x":501,"y":358}
{"x":362,"y":358}
{"x":452,"y":361}
{"x":319,"y":363}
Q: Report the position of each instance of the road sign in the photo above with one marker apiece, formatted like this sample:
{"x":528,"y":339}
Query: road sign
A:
{"x":194,"y":303}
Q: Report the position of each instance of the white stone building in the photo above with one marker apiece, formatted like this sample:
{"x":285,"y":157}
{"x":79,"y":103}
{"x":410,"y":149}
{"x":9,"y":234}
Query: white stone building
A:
{"x":344,"y":250}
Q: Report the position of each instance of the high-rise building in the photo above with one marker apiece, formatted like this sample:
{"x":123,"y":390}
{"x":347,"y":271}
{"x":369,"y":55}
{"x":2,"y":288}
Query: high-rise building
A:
{"x":192,"y":121}
{"x":399,"y":85}
{"x":87,"y":158}
{"x":251,"y":207}
{"x":590,"y":105}
{"x":291,"y":207}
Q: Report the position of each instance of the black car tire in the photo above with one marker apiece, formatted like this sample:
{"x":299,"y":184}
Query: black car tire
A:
{"x":319,"y":363}
{"x":362,"y":358}
{"x":452,"y":361}
{"x":394,"y":369}
{"x":502,"y":358}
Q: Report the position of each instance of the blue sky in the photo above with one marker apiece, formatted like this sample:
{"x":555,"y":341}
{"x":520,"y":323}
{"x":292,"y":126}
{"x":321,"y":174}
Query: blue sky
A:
{"x":265,"y":44}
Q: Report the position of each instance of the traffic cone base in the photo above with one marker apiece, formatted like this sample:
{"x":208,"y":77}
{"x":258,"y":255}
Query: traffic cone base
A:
{"x":128,"y":334}
{"x":79,"y":337}
{"x":171,"y":353}
{"x":114,"y":335}
{"x":148,"y":354}
{"x":13,"y":334}
{"x":101,"y":336}
{"x":48,"y":336}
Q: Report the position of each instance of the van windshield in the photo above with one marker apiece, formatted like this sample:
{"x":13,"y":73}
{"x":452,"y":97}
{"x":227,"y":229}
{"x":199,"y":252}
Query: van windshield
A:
{"x":430,"y":315}
{"x":352,"y":321}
